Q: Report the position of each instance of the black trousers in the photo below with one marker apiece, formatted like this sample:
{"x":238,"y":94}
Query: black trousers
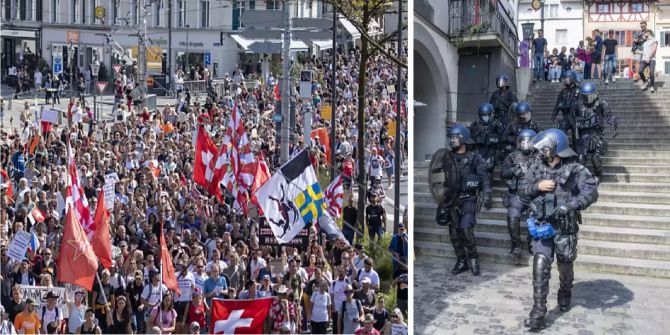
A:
{"x":652,"y":66}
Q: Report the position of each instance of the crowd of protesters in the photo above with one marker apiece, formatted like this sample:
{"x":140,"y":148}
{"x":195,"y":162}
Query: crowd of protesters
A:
{"x":325,"y":286}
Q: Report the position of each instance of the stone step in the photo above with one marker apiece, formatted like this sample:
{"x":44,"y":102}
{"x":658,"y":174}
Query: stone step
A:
{"x":602,"y":264}
{"x":635,"y":169}
{"x":585,"y":246}
{"x":636,"y":160}
{"x":603,"y":233}
{"x":612,"y":152}
{"x":635,"y":177}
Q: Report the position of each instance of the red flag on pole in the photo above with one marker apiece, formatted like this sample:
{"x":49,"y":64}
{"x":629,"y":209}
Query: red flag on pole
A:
{"x":275,"y":91}
{"x":324,"y":139}
{"x":239,"y":316}
{"x":167,"y":269}
{"x":77,"y":262}
{"x":101,"y":241}
{"x":6,"y":183}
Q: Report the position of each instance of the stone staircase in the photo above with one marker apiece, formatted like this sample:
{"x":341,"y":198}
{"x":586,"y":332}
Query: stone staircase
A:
{"x":627,"y":231}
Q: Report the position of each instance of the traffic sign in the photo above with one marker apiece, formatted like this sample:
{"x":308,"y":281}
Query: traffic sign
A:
{"x":101,"y":85}
{"x":117,"y":68}
{"x":58,"y":68}
{"x":208,"y":58}
{"x":276,"y":118}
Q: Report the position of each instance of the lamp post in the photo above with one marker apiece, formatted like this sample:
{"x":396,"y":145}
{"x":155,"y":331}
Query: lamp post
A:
{"x":70,"y":57}
{"x":95,"y":68}
{"x":187,"y":70}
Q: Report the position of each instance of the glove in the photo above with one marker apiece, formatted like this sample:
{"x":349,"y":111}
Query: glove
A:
{"x":562,"y":211}
{"x":487,"y":201}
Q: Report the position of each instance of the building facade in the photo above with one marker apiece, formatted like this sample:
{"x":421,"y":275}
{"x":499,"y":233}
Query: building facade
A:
{"x":460,"y":46}
{"x":562,"y":21}
{"x":662,"y":21}
{"x":20,"y":22}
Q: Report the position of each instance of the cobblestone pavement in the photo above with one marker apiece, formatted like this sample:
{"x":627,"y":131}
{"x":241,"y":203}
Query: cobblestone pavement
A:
{"x":499,"y":300}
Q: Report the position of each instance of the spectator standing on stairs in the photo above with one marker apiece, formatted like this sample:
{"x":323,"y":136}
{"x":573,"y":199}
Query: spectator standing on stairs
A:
{"x":648,"y":60}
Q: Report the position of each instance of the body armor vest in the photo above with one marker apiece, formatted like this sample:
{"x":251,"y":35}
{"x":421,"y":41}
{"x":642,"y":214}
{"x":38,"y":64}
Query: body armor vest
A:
{"x":545,"y":205}
{"x":469,"y":180}
{"x":588,"y":117}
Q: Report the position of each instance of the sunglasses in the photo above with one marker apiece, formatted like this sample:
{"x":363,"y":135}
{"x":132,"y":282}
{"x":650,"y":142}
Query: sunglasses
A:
{"x":348,"y":292}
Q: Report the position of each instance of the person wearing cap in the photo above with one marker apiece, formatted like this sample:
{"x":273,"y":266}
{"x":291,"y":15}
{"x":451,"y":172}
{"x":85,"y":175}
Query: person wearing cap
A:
{"x":366,"y":295}
{"x":76,"y":311}
{"x":398,"y":246}
{"x":27,"y":321}
{"x":151,"y":295}
{"x":367,"y":329}
{"x":351,"y":313}
{"x":266,"y":289}
{"x":50,"y":312}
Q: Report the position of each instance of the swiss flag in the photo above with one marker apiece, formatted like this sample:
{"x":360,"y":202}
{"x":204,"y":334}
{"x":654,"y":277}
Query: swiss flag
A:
{"x":239,"y":316}
{"x":6,"y":184}
{"x":205,"y":156}
{"x":275,"y":91}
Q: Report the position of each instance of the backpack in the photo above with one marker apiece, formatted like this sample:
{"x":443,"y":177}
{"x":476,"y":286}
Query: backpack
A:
{"x":344,"y":307}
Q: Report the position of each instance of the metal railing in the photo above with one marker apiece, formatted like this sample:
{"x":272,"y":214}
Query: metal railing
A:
{"x":472,"y":17}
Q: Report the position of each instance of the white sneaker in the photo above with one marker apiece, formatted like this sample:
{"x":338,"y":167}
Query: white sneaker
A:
{"x":614,"y":79}
{"x":607,"y":81}
{"x":644,"y":86}
{"x":652,"y":89}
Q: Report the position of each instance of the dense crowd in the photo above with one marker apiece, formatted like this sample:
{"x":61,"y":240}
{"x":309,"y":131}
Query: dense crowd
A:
{"x":319,"y":286}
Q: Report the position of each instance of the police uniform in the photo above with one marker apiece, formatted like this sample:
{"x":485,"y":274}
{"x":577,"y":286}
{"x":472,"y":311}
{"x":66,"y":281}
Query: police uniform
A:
{"x":590,"y":121}
{"x":487,"y":139}
{"x":514,"y":167}
{"x":567,"y":98}
{"x":502,"y":100}
{"x":559,"y":212}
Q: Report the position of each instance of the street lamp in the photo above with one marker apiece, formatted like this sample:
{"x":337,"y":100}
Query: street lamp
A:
{"x":187,"y":70}
{"x":95,"y":68}
{"x":70,"y":57}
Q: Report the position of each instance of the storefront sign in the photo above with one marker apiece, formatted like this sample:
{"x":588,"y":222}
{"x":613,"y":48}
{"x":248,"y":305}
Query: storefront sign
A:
{"x":17,"y":33}
{"x":191,"y":44}
{"x":208,"y":58}
{"x":72,"y":37}
{"x":100,"y":12}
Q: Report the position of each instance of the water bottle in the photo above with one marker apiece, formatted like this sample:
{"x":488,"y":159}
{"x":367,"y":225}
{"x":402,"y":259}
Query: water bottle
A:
{"x":532,"y":229}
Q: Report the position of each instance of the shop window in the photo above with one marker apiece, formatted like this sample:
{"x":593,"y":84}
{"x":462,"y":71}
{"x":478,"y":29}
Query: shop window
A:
{"x":204,"y":10}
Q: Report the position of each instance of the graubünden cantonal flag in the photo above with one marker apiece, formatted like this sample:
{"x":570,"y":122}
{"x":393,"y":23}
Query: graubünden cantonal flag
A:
{"x":239,"y":316}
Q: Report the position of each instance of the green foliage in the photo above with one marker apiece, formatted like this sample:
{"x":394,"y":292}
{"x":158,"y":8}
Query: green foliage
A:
{"x":390,"y":298}
{"x":378,"y":251}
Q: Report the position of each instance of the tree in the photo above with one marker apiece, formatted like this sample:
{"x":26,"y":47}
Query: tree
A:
{"x":361,"y":13}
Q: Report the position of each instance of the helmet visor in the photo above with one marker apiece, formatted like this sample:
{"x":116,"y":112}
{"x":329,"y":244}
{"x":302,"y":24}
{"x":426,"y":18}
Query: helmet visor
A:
{"x":455,"y":141}
{"x":544,"y":143}
{"x":589,"y":98}
{"x":525,"y":143}
{"x":486,"y":118}
{"x":524,"y":117}
{"x":501,"y":82}
{"x":567,"y":80}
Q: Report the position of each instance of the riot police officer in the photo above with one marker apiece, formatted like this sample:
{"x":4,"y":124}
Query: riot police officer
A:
{"x":473,"y":180}
{"x":591,"y":113}
{"x":514,"y":167}
{"x":524,"y":114}
{"x":558,"y":188}
{"x":503,"y":99}
{"x":567,"y":98}
{"x":487,"y":131}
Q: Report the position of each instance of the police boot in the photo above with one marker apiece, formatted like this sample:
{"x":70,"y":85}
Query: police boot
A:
{"x":471,"y":250}
{"x":514,"y":228}
{"x":529,"y":240}
{"x":597,"y":168}
{"x":456,"y":237}
{"x":565,"y":275}
{"x":541,"y":275}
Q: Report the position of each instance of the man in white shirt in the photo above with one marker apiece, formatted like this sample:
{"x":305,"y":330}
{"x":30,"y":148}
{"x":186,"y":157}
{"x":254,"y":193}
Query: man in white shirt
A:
{"x":216,"y":259}
{"x":257,"y":263}
{"x":38,"y":79}
{"x":369,"y":272}
{"x":648,"y":60}
{"x":50,"y":312}
{"x":152,"y":293}
{"x":199,"y":275}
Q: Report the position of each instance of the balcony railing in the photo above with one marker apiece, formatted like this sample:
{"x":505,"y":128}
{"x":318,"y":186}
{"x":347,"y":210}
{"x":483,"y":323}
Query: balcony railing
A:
{"x":475,"y":17}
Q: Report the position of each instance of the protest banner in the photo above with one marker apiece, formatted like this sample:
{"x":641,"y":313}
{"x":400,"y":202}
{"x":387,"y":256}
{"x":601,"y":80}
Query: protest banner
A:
{"x":266,"y":237}
{"x":50,"y":115}
{"x":19,"y":246}
{"x":39,"y":294}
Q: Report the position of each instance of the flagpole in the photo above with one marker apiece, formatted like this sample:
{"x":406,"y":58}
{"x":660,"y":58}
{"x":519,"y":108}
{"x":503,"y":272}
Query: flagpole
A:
{"x":102,"y":290}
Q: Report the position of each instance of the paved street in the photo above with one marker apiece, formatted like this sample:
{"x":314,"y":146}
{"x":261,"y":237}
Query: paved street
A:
{"x":499,"y":300}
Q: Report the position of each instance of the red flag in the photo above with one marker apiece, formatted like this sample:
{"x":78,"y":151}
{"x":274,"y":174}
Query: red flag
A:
{"x":322,"y":134}
{"x":239,"y":316}
{"x":36,"y":215}
{"x":205,"y":156}
{"x":167,"y":269}
{"x":101,"y":241}
{"x":6,"y":183}
{"x":334,"y":195}
{"x":275,"y":91}
{"x":77,"y":262}
{"x":77,"y":198}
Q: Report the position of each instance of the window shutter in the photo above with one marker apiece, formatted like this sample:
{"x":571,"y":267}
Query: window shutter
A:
{"x":629,"y":38}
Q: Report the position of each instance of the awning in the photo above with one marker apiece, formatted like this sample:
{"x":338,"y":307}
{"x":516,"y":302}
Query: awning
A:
{"x":323,"y":45}
{"x":349,"y":27}
{"x":245,"y":44}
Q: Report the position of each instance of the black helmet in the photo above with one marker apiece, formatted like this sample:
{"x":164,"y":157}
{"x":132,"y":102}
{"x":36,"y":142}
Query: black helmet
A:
{"x":569,"y":78}
{"x":502,"y":81}
{"x":589,"y":93}
{"x":459,"y":135}
{"x":523,"y":111}
{"x":525,"y":139}
{"x":485,"y":112}
{"x":551,"y":143}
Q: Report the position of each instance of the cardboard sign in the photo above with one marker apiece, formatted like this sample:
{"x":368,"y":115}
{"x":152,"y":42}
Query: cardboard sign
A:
{"x":398,"y":329}
{"x":391,"y":129}
{"x":101,"y":85}
{"x":109,"y":188}
{"x":117,"y":68}
{"x":39,"y":294}
{"x":326,"y":112}
{"x":50,"y":115}
{"x":266,"y":237}
{"x":19,"y":246}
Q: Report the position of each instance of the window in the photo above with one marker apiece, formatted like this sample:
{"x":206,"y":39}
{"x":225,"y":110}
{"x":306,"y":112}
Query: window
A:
{"x":603,"y":8}
{"x":54,"y":9}
{"x":157,"y":15}
{"x":38,"y":11}
{"x":667,"y":67}
{"x":551,"y":10}
{"x":22,"y":9}
{"x":664,"y":39}
{"x":620,"y":37}
{"x":134,"y":11}
{"x":91,"y":10}
{"x":252,"y":4}
{"x":182,"y":13}
{"x":73,"y":10}
{"x":204,"y":11}
{"x":115,"y":11}
{"x":83,"y":11}
{"x":561,"y":36}
{"x":272,"y":5}
{"x":637,"y":8}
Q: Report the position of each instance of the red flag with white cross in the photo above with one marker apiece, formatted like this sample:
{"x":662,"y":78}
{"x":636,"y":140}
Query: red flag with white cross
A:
{"x":206,"y":154}
{"x":239,"y":316}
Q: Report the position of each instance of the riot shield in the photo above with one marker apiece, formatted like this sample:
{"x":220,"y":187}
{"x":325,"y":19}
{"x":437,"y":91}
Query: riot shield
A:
{"x":443,"y":178}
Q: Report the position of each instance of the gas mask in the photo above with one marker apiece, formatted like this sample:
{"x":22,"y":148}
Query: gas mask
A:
{"x":486,"y":118}
{"x":525,"y":145}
